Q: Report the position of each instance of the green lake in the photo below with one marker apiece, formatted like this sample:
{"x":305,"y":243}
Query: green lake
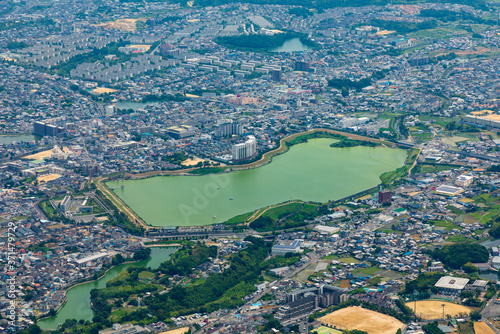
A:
{"x":292,"y":45}
{"x":312,"y":171}
{"x":78,"y":304}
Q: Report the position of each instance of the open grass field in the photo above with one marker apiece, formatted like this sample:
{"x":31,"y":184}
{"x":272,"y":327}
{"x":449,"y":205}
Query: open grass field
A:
{"x":423,"y":168}
{"x":482,"y":328}
{"x":359,"y":318}
{"x":327,"y":330}
{"x":349,"y":260}
{"x":433,"y":309}
{"x":452,"y":141}
{"x":303,"y":275}
{"x":146,"y":274}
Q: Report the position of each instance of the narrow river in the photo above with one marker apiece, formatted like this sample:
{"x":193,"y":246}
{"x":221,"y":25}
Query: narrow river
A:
{"x":78,"y":304}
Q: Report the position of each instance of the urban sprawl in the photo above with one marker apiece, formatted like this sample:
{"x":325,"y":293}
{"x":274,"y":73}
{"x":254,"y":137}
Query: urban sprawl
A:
{"x":93,"y":92}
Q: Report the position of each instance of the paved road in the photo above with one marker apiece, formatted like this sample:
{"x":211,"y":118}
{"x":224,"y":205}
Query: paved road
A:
{"x":491,"y":309}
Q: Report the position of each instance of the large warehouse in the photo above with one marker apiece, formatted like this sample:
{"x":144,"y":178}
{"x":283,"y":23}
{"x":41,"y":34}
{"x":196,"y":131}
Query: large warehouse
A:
{"x":449,"y":190}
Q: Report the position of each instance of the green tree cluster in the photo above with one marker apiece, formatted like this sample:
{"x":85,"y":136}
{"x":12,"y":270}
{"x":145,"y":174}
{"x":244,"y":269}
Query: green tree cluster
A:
{"x":422,"y":283}
{"x":142,"y":254}
{"x":462,"y":127}
{"x":345,"y":85}
{"x":176,"y":158}
{"x":224,"y":290}
{"x":300,"y":11}
{"x":281,"y":261}
{"x":184,"y":260}
{"x":16,"y":45}
{"x":353,"y":143}
{"x":495,"y":169}
{"x":432,"y":328}
{"x":457,"y":255}
{"x":404,"y":27}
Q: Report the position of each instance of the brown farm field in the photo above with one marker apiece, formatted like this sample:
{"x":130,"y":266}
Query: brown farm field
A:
{"x":362,"y":319}
{"x":433,"y":309}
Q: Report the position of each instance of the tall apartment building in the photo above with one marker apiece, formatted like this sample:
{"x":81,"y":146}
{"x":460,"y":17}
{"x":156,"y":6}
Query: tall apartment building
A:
{"x":245,"y":150}
{"x":277,"y":75}
{"x":65,"y":204}
{"x":44,"y":129}
{"x":384,"y":196}
{"x":90,"y":169}
{"x":229,"y":129}
{"x":302,"y":302}
{"x":301,"y":66}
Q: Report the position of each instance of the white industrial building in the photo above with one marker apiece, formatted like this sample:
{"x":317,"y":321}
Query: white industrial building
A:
{"x":294,"y":247}
{"x":451,"y":286}
{"x":449,"y":190}
{"x":464,"y":180}
{"x":495,"y":262}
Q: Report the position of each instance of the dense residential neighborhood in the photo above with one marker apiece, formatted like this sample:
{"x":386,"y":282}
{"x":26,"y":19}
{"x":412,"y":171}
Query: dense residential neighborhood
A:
{"x":144,"y":144}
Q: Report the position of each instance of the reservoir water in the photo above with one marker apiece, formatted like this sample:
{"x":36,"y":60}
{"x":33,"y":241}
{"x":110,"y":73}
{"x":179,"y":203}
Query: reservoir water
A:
{"x":312,"y":171}
{"x":292,"y":45}
{"x":9,"y":139}
{"x":78,"y":304}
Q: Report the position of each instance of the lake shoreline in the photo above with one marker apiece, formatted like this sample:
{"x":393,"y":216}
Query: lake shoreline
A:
{"x":187,"y":210}
{"x":77,"y":284}
{"x":266,"y":157}
{"x":59,"y":308}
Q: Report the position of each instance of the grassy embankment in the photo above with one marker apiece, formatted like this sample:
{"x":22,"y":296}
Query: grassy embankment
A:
{"x":411,"y":160}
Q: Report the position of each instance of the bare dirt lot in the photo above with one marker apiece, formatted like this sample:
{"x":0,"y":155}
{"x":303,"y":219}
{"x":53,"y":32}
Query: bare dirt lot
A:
{"x":122,"y":24}
{"x":433,"y":309}
{"x":177,"y":331}
{"x":45,"y":154}
{"x":48,"y":177}
{"x":192,"y":162}
{"x":103,"y":90}
{"x":362,"y":319}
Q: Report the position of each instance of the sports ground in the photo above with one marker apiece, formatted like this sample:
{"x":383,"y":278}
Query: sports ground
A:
{"x":362,"y":319}
{"x":326,"y":330}
{"x":433,"y":309}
